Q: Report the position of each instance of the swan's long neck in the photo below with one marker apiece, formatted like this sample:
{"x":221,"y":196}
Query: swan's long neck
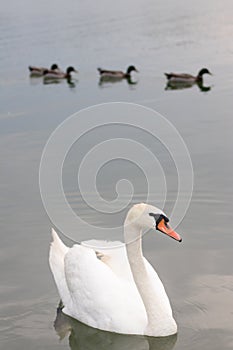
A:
{"x":157,"y":314}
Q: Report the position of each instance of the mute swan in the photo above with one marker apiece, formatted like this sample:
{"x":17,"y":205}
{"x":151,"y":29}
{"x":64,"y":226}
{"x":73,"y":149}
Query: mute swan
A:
{"x":187,"y":78}
{"x":112,"y":287}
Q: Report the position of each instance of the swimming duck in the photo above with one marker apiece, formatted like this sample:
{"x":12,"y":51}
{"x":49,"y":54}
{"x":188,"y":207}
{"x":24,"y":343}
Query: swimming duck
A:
{"x":114,"y":74}
{"x":187,"y":78}
{"x":48,"y":74}
{"x":39,"y":71}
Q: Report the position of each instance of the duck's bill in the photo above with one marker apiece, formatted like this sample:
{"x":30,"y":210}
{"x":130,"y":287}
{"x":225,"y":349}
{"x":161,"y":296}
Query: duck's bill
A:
{"x":75,"y":70}
{"x":165,"y":228}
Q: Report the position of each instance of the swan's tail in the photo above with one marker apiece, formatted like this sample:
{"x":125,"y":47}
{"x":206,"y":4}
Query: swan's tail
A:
{"x":57,"y":254}
{"x":57,"y":246}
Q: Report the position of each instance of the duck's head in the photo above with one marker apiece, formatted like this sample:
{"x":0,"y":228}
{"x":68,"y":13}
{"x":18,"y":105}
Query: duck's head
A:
{"x":131,"y":69}
{"x":203,"y":71}
{"x":70,"y":70}
{"x":54,"y":66}
{"x":146,"y":217}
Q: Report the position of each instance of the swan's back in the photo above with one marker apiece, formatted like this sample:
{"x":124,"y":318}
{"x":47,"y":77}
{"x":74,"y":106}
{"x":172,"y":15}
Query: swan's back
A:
{"x":96,"y":292}
{"x":114,"y":255}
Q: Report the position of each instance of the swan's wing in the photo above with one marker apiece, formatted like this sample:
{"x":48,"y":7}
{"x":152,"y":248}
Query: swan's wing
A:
{"x":113,"y":254}
{"x":100,"y":297}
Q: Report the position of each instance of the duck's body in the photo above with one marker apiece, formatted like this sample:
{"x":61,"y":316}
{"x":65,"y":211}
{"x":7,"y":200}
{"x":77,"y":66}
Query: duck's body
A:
{"x":48,"y":74}
{"x":186,"y":78}
{"x":115,"y":74}
{"x":113,"y":289}
{"x":39,"y":71}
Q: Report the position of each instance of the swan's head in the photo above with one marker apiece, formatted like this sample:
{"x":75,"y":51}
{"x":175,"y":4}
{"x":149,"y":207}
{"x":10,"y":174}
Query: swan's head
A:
{"x":146,"y":217}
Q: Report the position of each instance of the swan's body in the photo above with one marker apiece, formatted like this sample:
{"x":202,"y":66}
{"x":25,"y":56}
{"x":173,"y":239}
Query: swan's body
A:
{"x":186,"y":78}
{"x":115,"y":74}
{"x":39,"y":71}
{"x":114,"y":289}
{"x":48,"y":74}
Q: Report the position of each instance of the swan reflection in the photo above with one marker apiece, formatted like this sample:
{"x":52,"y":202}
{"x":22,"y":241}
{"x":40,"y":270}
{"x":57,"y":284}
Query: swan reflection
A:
{"x":83,"y":337}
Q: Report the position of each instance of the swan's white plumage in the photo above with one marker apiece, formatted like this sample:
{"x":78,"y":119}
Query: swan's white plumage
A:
{"x":110,"y":285}
{"x":114,"y":255}
{"x":57,"y":253}
{"x":101,"y":292}
{"x":86,"y":283}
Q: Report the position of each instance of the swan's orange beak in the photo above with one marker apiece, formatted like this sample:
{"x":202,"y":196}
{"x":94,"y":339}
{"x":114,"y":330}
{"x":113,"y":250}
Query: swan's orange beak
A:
{"x":165,"y":228}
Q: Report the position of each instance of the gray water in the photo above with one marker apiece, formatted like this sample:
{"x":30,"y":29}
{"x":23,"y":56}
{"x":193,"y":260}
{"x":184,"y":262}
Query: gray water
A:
{"x":156,"y":37}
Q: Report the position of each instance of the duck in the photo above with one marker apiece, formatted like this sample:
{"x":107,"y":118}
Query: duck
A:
{"x":111,"y":286}
{"x":187,"y":78}
{"x":48,"y":74}
{"x":39,"y":71}
{"x":114,"y":74}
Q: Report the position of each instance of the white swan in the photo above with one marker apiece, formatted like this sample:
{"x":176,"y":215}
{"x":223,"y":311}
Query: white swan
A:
{"x":115,"y":289}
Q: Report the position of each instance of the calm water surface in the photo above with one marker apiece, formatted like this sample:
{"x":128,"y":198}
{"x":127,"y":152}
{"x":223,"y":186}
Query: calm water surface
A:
{"x":156,"y":36}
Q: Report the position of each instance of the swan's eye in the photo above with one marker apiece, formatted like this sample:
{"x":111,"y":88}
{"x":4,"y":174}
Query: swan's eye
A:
{"x":160,"y":218}
{"x":155,"y":216}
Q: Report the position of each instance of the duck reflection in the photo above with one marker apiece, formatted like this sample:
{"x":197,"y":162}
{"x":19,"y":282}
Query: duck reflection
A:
{"x":70,"y":82}
{"x":175,"y":85}
{"x":83,"y":337}
{"x":35,"y":80}
{"x":105,"y":80}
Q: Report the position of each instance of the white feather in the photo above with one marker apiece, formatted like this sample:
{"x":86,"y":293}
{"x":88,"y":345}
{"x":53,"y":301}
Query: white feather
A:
{"x":100,"y":290}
